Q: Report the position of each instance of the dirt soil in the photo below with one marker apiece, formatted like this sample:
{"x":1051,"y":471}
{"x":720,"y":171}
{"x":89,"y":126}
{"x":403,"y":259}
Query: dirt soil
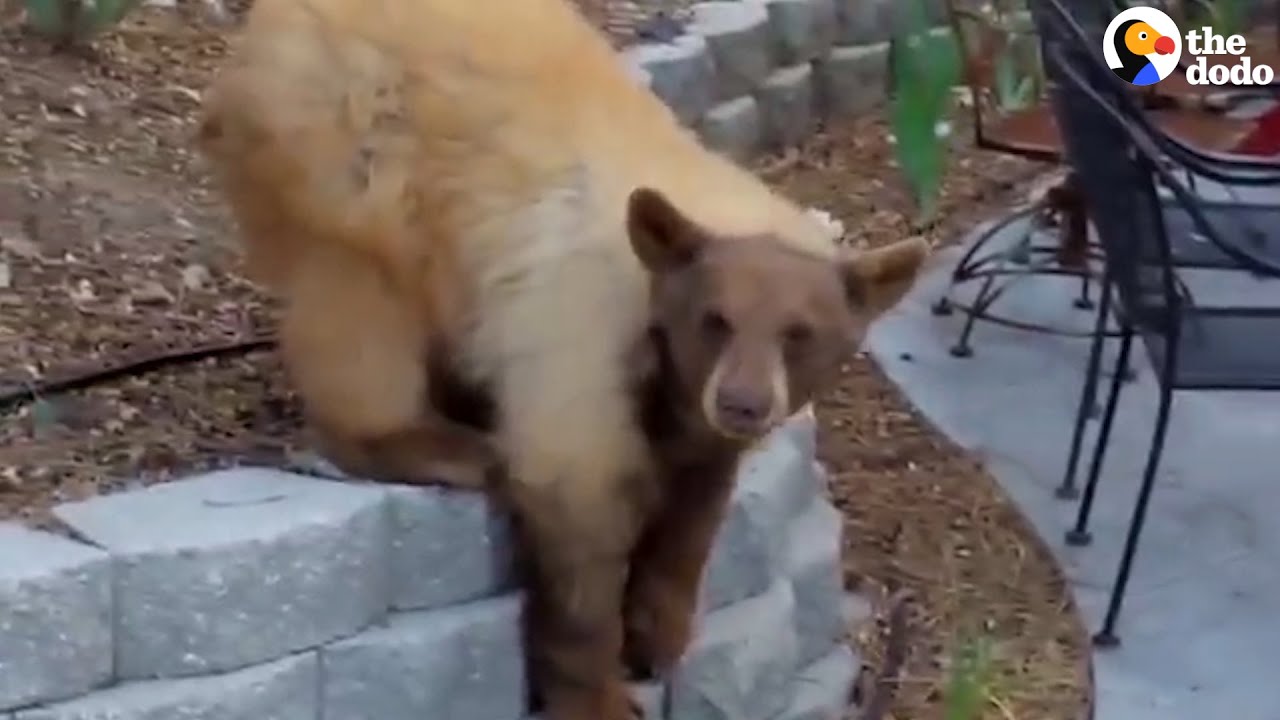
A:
{"x":112,"y":245}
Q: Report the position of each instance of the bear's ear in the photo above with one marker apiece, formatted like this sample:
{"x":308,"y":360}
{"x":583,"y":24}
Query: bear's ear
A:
{"x":661,"y":236}
{"x":876,"y":279}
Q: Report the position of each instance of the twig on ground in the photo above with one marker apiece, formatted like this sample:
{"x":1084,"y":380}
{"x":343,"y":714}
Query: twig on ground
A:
{"x":877,"y":707}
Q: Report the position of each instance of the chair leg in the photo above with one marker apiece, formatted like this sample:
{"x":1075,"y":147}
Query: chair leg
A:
{"x":1088,"y":396}
{"x":962,"y":348}
{"x":1083,"y":302}
{"x":1079,"y":535}
{"x":1106,"y":637}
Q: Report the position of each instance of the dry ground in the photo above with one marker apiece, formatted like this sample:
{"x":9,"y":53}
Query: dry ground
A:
{"x":112,"y":244}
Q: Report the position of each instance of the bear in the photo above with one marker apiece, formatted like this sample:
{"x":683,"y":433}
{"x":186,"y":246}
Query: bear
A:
{"x":505,"y":265}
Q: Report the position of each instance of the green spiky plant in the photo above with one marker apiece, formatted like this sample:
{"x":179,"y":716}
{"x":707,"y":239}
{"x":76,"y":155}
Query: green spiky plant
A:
{"x":924,"y":65}
{"x":70,"y":23}
{"x":968,"y":683}
{"x":923,"y":68}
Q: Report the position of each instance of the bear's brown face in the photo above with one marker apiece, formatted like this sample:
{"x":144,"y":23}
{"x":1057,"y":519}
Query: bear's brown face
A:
{"x":754,"y":329}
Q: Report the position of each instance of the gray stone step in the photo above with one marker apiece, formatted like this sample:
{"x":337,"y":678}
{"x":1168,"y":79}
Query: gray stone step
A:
{"x":787,"y":106}
{"x":851,"y":80}
{"x":447,"y":547}
{"x":860,"y":22}
{"x":460,"y":663}
{"x":282,"y":690}
{"x":817,"y":578}
{"x":742,"y":663}
{"x":733,"y":128}
{"x":803,"y":30}
{"x":237,"y":567}
{"x":776,"y":483}
{"x":824,"y":688}
{"x":55,"y":617}
{"x":741,"y":43}
{"x":681,"y":73}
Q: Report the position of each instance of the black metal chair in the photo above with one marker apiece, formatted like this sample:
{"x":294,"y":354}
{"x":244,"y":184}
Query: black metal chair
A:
{"x":1189,"y":249}
{"x":1119,"y":158}
{"x":987,"y":36}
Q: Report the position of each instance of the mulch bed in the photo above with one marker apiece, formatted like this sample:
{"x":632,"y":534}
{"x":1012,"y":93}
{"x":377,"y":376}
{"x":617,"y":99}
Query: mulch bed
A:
{"x":112,"y":243}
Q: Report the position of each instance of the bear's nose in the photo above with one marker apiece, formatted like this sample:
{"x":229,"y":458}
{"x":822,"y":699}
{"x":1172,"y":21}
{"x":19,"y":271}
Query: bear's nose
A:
{"x":742,"y":407}
{"x":1164,"y":45}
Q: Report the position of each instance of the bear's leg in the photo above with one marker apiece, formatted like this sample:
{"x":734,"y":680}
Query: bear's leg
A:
{"x":576,"y":562}
{"x":667,"y":566}
{"x":356,"y":354}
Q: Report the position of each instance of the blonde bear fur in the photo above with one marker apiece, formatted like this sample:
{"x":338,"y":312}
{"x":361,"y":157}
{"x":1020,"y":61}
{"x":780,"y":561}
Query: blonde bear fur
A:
{"x":454,"y":181}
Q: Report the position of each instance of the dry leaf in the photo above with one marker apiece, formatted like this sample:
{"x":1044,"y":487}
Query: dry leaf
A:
{"x":151,"y":293}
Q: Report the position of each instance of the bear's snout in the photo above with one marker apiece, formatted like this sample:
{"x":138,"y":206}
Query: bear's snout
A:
{"x":742,"y":409}
{"x":746,"y":393}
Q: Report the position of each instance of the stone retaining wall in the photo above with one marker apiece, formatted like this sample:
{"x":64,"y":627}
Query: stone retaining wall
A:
{"x":752,"y":76}
{"x":259,"y":594}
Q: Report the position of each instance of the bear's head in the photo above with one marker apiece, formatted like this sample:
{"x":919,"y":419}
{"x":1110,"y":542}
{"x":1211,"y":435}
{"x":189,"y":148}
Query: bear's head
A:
{"x":750,"y":327}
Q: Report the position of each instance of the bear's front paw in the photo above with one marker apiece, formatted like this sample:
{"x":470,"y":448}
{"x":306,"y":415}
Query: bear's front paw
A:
{"x":658,"y":631}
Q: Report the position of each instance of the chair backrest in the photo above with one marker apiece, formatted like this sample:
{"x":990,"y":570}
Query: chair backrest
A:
{"x":996,"y":46}
{"x":1113,"y":150}
{"x":1225,"y":167}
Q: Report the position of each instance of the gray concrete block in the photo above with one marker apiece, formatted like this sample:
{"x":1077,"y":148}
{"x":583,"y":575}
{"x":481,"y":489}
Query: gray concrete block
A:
{"x":648,"y":696}
{"x":55,"y":617}
{"x":282,"y":690}
{"x":739,"y":38}
{"x":733,"y":128}
{"x":459,"y":663}
{"x":786,"y":106}
{"x":779,"y":469}
{"x":774,"y":485}
{"x":825,"y":687}
{"x":638,"y":73}
{"x":802,"y":429}
{"x":803,"y":30}
{"x":856,"y":610}
{"x":682,"y":74}
{"x":237,"y":567}
{"x":860,"y":22}
{"x":742,"y":662}
{"x":817,"y":579}
{"x":851,"y":80}
{"x":447,"y":546}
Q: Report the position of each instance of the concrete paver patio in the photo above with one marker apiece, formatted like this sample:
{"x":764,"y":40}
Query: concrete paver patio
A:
{"x":1198,"y":631}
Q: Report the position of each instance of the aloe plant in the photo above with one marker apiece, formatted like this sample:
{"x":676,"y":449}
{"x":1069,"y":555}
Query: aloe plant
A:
{"x":967,"y":686}
{"x":71,"y":22}
{"x":924,"y":66}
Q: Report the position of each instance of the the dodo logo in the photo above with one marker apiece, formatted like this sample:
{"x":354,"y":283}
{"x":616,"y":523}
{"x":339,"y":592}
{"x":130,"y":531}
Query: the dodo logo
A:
{"x":1142,"y":45}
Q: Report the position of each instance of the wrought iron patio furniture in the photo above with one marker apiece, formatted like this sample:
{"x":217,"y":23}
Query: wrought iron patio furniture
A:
{"x":1120,"y":157}
{"x":1030,"y":131}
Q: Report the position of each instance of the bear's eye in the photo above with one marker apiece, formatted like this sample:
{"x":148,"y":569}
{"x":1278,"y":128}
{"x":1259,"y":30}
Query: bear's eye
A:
{"x":715,"y":325}
{"x":796,"y":335}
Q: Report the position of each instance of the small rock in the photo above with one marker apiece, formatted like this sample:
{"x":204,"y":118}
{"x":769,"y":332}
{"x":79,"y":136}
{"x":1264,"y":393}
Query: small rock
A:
{"x":194,"y":277}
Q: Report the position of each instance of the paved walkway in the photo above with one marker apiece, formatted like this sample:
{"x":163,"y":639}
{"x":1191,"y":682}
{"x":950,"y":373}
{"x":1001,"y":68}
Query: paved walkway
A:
{"x":1200,"y":640}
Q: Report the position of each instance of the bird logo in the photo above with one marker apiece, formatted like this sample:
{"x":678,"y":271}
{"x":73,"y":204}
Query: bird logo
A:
{"x":1142,"y":45}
